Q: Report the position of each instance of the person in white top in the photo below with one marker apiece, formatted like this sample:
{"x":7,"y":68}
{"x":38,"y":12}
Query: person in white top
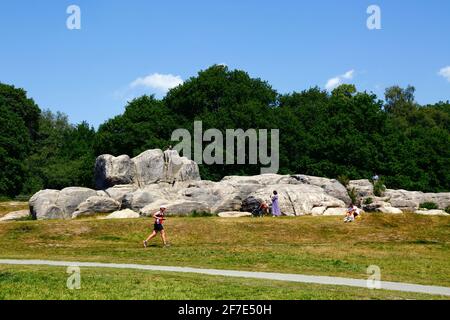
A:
{"x":352,"y":212}
{"x":158,"y":227}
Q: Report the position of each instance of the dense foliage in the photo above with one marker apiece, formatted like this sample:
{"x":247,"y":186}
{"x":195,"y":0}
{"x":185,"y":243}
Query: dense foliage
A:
{"x":345,"y":133}
{"x":19,"y":121}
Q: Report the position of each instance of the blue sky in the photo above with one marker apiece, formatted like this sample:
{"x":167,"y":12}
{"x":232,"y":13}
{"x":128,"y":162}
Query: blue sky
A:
{"x":293,"y":45}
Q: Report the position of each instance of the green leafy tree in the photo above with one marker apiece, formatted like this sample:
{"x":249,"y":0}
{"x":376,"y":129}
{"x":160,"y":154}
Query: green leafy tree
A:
{"x":146,"y":124}
{"x":18,"y":126}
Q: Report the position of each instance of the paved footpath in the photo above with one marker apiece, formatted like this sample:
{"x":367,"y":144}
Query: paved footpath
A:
{"x":386,"y":285}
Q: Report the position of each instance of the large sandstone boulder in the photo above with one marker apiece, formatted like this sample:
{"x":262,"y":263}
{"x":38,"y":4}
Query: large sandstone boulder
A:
{"x":43,"y":205}
{"x":238,"y":193}
{"x":298,"y":195}
{"x":179,"y":168}
{"x":70,"y":198}
{"x":297,"y":200}
{"x":110,"y":171}
{"x":218,"y":196}
{"x":150,"y":167}
{"x":96,"y":204}
{"x":54,"y":204}
{"x":176,"y":208}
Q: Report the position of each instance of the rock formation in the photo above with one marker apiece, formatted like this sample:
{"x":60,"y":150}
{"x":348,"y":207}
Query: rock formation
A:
{"x":142,"y":184}
{"x":151,"y":166}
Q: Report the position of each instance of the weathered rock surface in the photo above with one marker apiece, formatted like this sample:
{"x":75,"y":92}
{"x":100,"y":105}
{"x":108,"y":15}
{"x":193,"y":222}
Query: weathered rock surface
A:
{"x":432,"y":212}
{"x":296,"y":200}
{"x":119,"y":192}
{"x":176,"y":208}
{"x":363,"y":188}
{"x":335,"y":212}
{"x":96,"y":204}
{"x":151,"y":166}
{"x":15,"y":215}
{"x":318,"y":211}
{"x":331,"y":187}
{"x":156,"y":178}
{"x":70,"y":198}
{"x":234,"y":214}
{"x":389,"y":210}
{"x":179,"y":168}
{"x":54,"y":204}
{"x":411,"y":200}
{"x":43,"y":205}
{"x":139,"y":199}
{"x":110,"y":171}
{"x":123,"y":214}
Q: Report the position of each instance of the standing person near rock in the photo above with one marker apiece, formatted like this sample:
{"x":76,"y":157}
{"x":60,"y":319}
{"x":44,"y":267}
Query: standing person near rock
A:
{"x":375,"y":178}
{"x":158,"y":227}
{"x":276,"y":212}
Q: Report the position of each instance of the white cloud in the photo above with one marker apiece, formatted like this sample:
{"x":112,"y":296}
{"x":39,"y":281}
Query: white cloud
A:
{"x":445,"y":72}
{"x":348,"y":74}
{"x":157,"y":81}
{"x":337,"y":81}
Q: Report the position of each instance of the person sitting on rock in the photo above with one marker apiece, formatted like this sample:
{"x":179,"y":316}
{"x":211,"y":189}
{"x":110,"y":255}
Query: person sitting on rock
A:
{"x":158,"y":227}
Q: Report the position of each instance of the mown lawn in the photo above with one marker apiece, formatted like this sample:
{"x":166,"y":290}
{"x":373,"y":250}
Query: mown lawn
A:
{"x":408,"y":248}
{"x":43,"y":283}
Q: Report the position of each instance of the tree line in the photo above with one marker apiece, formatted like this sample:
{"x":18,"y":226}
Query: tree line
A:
{"x":343,"y":133}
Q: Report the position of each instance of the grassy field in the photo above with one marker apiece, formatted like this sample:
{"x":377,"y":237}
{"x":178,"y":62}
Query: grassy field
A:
{"x":407,"y":248}
{"x":50,"y":283}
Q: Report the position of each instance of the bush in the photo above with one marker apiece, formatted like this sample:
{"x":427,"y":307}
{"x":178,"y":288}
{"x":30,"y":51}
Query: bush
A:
{"x":368,"y":201}
{"x":379,"y":188}
{"x":196,"y":214}
{"x":429,"y":206}
{"x":353,"y":196}
{"x":447,"y":209}
{"x":343,"y":179}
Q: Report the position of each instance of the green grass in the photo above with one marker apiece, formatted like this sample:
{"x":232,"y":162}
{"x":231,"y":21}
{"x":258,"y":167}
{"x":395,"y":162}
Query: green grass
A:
{"x":17,"y":283}
{"x":407,"y":248}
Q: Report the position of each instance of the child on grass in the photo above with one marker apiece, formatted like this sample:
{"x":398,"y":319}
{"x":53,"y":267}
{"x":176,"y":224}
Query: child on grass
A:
{"x":352,"y":212}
